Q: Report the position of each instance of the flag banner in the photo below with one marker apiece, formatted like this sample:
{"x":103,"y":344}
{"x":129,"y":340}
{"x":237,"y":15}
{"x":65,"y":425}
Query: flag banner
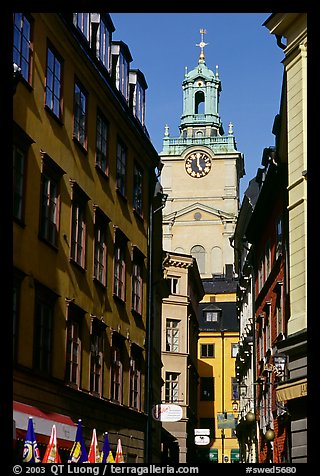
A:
{"x":106,"y":454}
{"x":78,"y":452}
{"x":31,"y":452}
{"x":51,"y":455}
{"x":94,"y":454}
{"x":119,"y":455}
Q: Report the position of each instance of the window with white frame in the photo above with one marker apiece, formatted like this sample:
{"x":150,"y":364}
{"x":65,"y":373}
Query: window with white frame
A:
{"x":172,"y":335}
{"x":234,"y":350}
{"x":212,"y":315}
{"x":100,"y":248}
{"x":22,"y":44}
{"x":53,"y":98}
{"x":103,"y":45}
{"x":102,"y":143}
{"x":171,"y":387}
{"x":174,"y":284}
{"x":80,"y":115}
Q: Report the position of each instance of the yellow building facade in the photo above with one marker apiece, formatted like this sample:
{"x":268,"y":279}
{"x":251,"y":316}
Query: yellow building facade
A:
{"x":84,"y":183}
{"x":218,"y":405}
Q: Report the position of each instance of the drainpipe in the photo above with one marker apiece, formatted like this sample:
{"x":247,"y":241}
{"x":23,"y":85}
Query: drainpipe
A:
{"x":156,"y":191}
{"x":254,"y":370}
{"x":222,"y":394}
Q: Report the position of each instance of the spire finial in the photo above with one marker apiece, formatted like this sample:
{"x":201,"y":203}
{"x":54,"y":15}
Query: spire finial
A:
{"x":230,"y":131}
{"x":202,"y":44}
{"x":166,"y":130}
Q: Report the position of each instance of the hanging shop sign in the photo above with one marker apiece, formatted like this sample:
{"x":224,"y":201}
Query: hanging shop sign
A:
{"x":167,"y":412}
{"x":201,"y":440}
{"x":226,"y":420}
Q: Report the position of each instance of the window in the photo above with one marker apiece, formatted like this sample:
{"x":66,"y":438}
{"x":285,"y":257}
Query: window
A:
{"x":17,"y":279}
{"x":207,"y":350}
{"x":174,"y":284}
{"x":212,"y":316}
{"x":96,"y":356}
{"x":172,"y":387}
{"x":207,"y":388}
{"x":137,"y":285}
{"x":135,"y":381}
{"x":267,"y":325}
{"x":50,"y":198}
{"x":19,"y":166}
{"x":260,"y":275}
{"x":73,"y":354}
{"x":103,"y":46}
{"x":234,"y":388}
{"x":44,"y":310}
{"x":198,"y":252}
{"x":80,"y":115}
{"x":82,"y":21}
{"x":267,"y":263}
{"x":172,"y":335}
{"x":121,"y":168}
{"x":279,"y":307}
{"x":234,"y":350}
{"x":53,"y":83}
{"x":102,"y":143}
{"x":123,"y":76}
{"x":119,"y":269}
{"x":279,"y":237}
{"x":139,"y":100}
{"x":22,"y":47}
{"x":100,"y":248}
{"x":78,"y":226}
{"x":138,"y":189}
{"x":116,"y":374}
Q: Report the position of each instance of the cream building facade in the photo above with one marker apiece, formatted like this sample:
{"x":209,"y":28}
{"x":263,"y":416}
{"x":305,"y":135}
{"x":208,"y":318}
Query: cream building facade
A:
{"x":201,"y":174}
{"x":179,"y":352}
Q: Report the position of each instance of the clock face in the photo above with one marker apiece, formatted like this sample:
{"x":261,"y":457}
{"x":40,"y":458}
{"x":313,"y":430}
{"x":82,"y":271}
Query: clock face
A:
{"x":198,"y":164}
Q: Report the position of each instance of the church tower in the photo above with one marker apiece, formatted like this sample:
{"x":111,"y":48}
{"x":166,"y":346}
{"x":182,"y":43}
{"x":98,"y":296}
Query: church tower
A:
{"x":201,"y":175}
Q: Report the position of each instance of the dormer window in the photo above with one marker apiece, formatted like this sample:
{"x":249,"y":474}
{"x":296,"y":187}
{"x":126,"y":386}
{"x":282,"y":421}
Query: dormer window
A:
{"x":82,"y":22}
{"x":103,"y":46}
{"x":138,"y":87}
{"x":121,"y":59}
{"x":212,"y":313}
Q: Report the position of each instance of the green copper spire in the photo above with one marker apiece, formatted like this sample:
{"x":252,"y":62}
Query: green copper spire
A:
{"x":200,"y":119}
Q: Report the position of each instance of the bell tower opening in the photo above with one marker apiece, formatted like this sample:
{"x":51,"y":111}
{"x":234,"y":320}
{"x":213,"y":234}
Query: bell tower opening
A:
{"x":199,"y":102}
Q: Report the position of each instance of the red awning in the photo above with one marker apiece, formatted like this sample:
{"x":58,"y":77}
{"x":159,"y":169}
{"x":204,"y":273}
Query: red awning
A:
{"x":42,"y":422}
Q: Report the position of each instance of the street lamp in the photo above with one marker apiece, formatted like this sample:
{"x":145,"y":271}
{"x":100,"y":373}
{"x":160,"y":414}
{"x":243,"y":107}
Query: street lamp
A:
{"x":235,"y":406}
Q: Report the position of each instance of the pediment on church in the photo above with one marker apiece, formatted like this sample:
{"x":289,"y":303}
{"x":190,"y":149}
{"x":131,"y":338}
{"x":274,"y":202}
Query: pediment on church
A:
{"x":198,"y":211}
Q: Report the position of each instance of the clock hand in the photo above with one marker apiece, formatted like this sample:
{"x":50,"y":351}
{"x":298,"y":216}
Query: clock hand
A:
{"x":198,"y":164}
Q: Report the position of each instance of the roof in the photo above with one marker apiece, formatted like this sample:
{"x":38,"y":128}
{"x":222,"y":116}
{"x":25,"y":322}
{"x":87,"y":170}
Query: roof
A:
{"x":220,"y":285}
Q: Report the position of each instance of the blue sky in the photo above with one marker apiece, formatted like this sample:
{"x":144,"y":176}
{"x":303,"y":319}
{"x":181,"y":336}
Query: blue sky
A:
{"x":250,"y":70}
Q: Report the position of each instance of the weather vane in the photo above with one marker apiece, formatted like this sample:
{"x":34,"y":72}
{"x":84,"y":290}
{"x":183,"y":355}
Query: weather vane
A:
{"x":202,"y":44}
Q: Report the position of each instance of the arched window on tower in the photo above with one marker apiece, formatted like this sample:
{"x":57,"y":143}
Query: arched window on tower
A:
{"x":216,"y":257}
{"x":198,"y":252}
{"x":199,"y":102}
